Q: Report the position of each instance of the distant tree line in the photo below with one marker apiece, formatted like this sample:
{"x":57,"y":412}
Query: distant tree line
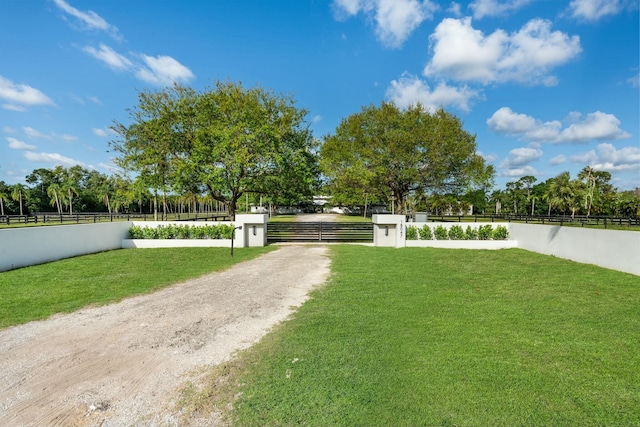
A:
{"x":230,"y":147}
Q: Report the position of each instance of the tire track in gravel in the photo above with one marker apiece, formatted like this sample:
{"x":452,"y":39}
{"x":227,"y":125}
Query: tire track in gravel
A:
{"x":120,"y":364}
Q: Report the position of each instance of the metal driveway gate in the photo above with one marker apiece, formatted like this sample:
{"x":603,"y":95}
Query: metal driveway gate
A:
{"x":319,"y":232}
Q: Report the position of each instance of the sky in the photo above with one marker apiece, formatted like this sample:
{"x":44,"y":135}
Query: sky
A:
{"x":546,"y":86}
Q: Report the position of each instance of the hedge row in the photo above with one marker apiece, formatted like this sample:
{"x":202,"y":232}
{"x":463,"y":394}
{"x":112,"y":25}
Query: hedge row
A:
{"x":221,"y":231}
{"x":456,"y":232}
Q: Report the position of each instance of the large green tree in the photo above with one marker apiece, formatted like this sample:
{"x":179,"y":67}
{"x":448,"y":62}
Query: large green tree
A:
{"x":393,"y":153}
{"x":225,"y":142}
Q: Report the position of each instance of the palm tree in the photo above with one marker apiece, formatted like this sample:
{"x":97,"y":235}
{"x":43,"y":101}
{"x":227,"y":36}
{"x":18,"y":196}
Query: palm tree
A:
{"x":588,"y":176}
{"x":3,"y":198}
{"x":16,"y":195}
{"x":52,"y":191}
{"x":533,"y":199}
{"x":70,"y":190}
{"x":561,"y":193}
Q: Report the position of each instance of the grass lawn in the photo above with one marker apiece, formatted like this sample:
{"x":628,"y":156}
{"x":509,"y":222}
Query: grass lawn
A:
{"x":420,"y":336}
{"x":39,"y":291}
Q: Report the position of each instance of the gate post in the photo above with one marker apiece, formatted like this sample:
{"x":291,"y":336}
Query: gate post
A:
{"x":388,"y":230}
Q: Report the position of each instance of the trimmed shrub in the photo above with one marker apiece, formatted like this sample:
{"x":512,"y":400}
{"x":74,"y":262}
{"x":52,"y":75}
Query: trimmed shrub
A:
{"x":425,"y":233}
{"x":456,"y":232}
{"x":485,"y":232}
{"x":135,"y":232}
{"x":412,"y":233}
{"x":471,"y":233}
{"x":441,"y":233}
{"x":500,"y":233}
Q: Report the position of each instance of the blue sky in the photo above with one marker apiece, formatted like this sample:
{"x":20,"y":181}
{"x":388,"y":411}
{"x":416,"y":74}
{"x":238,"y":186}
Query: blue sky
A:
{"x":545,"y":85}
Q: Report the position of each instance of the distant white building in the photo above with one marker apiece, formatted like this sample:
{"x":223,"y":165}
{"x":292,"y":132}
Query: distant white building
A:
{"x":321,"y":200}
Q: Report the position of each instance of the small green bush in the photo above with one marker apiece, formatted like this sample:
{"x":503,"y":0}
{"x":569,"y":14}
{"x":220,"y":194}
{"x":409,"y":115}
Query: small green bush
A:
{"x":412,"y":233}
{"x":456,"y":232}
{"x":500,"y":233}
{"x":485,"y":232}
{"x":135,"y":232}
{"x":425,"y":233}
{"x":471,"y":233}
{"x":441,"y":233}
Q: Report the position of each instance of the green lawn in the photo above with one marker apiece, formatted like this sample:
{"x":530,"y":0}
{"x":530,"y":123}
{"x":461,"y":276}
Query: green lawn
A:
{"x":418,"y":336}
{"x":39,"y":291}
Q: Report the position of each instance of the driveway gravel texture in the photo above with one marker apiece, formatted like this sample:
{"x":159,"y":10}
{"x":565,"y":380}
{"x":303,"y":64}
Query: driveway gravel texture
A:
{"x":122,"y":364}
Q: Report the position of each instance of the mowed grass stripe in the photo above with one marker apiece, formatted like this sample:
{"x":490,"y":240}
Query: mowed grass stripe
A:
{"x":422,"y":336}
{"x":37,"y":292}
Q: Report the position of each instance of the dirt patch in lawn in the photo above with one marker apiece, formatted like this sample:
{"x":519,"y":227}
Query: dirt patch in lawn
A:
{"x":122,"y":364}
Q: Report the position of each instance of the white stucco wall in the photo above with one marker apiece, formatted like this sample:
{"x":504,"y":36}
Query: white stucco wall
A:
{"x":21,"y":247}
{"x":615,"y":249}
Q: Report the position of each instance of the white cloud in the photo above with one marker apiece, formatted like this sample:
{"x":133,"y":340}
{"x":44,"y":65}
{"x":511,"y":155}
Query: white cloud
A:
{"x":409,"y":90}
{"x":596,"y":126}
{"x":102,"y":132}
{"x":395,"y":20}
{"x":455,"y":9}
{"x":7,"y":129}
{"x":158,"y":70}
{"x":634,"y":81}
{"x":67,"y":138}
{"x":461,"y":52}
{"x":163,"y":70}
{"x":95,"y":100}
{"x":482,"y":8}
{"x":109,"y":56}
{"x":593,"y":10}
{"x":519,"y":157}
{"x":517,"y":162}
{"x":13,"y":107}
{"x":20,"y":95}
{"x":490,"y":158}
{"x":16,"y":144}
{"x":519,"y":172}
{"x":33,"y":133}
{"x":89,"y":19}
{"x":607,"y":157}
{"x":558,"y":160}
{"x":54,"y":158}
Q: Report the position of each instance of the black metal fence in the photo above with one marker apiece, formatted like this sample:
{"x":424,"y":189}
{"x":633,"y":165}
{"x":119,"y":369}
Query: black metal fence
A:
{"x":52,"y":217}
{"x":581,"y":220}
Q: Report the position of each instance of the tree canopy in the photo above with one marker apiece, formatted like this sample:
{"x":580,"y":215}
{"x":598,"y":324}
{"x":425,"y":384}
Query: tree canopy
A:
{"x":390,"y":153}
{"x":226,"y":141}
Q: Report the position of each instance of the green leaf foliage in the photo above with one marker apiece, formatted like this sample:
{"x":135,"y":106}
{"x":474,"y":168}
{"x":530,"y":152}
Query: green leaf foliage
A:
{"x":412,"y":232}
{"x":500,"y":233}
{"x":485,"y":232}
{"x":225,"y":142}
{"x":456,"y":232}
{"x":384,"y":152}
{"x":471,"y":233}
{"x":425,"y":233}
{"x":441,"y":233}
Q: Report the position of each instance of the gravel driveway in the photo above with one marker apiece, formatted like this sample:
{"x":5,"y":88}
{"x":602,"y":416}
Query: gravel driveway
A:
{"x":120,"y":365}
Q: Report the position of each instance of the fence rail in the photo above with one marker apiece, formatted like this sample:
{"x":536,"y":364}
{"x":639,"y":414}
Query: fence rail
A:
{"x":319,"y":232}
{"x":52,"y":217}
{"x":581,"y":220}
